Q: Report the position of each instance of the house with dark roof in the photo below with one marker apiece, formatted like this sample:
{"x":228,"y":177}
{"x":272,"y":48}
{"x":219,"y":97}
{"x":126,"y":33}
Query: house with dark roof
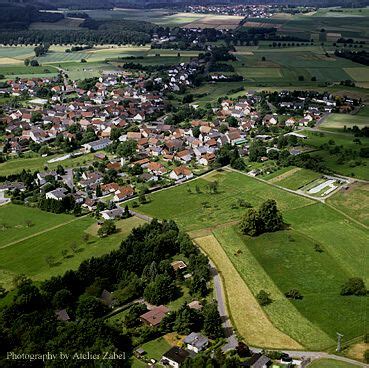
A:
{"x":174,"y":357}
{"x":257,"y":360}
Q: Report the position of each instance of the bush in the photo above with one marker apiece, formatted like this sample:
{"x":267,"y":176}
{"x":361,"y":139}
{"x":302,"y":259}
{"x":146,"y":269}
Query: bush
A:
{"x":293,"y":294}
{"x":263,"y":298}
{"x":354,"y":286}
{"x":107,"y":228}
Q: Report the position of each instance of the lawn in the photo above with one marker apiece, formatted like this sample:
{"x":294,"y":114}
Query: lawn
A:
{"x":330,"y":363}
{"x":194,"y":211}
{"x":29,"y":256}
{"x":156,"y":348}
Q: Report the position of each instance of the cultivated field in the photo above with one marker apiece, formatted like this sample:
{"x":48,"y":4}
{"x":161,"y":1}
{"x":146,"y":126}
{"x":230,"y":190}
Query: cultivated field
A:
{"x":25,"y":249}
{"x":330,"y":363}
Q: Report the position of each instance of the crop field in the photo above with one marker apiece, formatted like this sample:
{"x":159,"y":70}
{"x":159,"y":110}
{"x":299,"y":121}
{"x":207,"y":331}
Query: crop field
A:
{"x":279,"y":261}
{"x":286,"y":65}
{"x":50,"y":235}
{"x":63,"y":24}
{"x":339,"y":121}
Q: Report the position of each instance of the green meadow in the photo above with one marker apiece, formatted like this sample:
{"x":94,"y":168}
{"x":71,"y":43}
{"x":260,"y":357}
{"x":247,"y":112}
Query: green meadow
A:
{"x":25,"y":249}
{"x":284,"y":260}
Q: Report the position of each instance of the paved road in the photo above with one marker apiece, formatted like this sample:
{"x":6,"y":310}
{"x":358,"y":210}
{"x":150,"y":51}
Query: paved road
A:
{"x":222,"y":308}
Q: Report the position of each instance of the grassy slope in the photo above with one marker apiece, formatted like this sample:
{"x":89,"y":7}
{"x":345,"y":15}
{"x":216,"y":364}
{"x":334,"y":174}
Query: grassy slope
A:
{"x":28,"y":256}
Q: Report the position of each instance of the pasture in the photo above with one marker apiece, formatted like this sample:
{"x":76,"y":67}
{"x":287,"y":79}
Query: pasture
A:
{"x":325,"y":141}
{"x":330,"y":363}
{"x":27,"y":249}
{"x":247,"y":315}
{"x":354,"y":201}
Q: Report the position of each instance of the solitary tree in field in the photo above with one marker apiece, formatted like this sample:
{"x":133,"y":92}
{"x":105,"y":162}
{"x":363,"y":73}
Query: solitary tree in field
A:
{"x":64,"y":253}
{"x":270,"y":216}
{"x":263,"y":298}
{"x":250,"y":222}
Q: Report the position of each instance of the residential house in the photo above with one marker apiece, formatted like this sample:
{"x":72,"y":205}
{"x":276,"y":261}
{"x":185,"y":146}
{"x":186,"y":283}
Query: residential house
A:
{"x":154,"y":316}
{"x":58,"y":194}
{"x":181,"y":173}
{"x":196,"y":342}
{"x":112,"y":214}
{"x":97,"y":145}
{"x":174,"y":357}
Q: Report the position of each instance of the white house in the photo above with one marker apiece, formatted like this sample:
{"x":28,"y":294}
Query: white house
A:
{"x":58,"y":194}
{"x":196,"y":342}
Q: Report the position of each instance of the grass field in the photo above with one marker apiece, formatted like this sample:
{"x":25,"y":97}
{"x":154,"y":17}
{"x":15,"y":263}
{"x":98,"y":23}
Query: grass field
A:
{"x":330,"y":363}
{"x":350,"y":167}
{"x":247,"y":315}
{"x":36,"y":162}
{"x":339,"y":121}
{"x":280,"y":261}
{"x":196,"y":211}
{"x":354,"y":201}
{"x":26,"y":252}
{"x":156,"y":348}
